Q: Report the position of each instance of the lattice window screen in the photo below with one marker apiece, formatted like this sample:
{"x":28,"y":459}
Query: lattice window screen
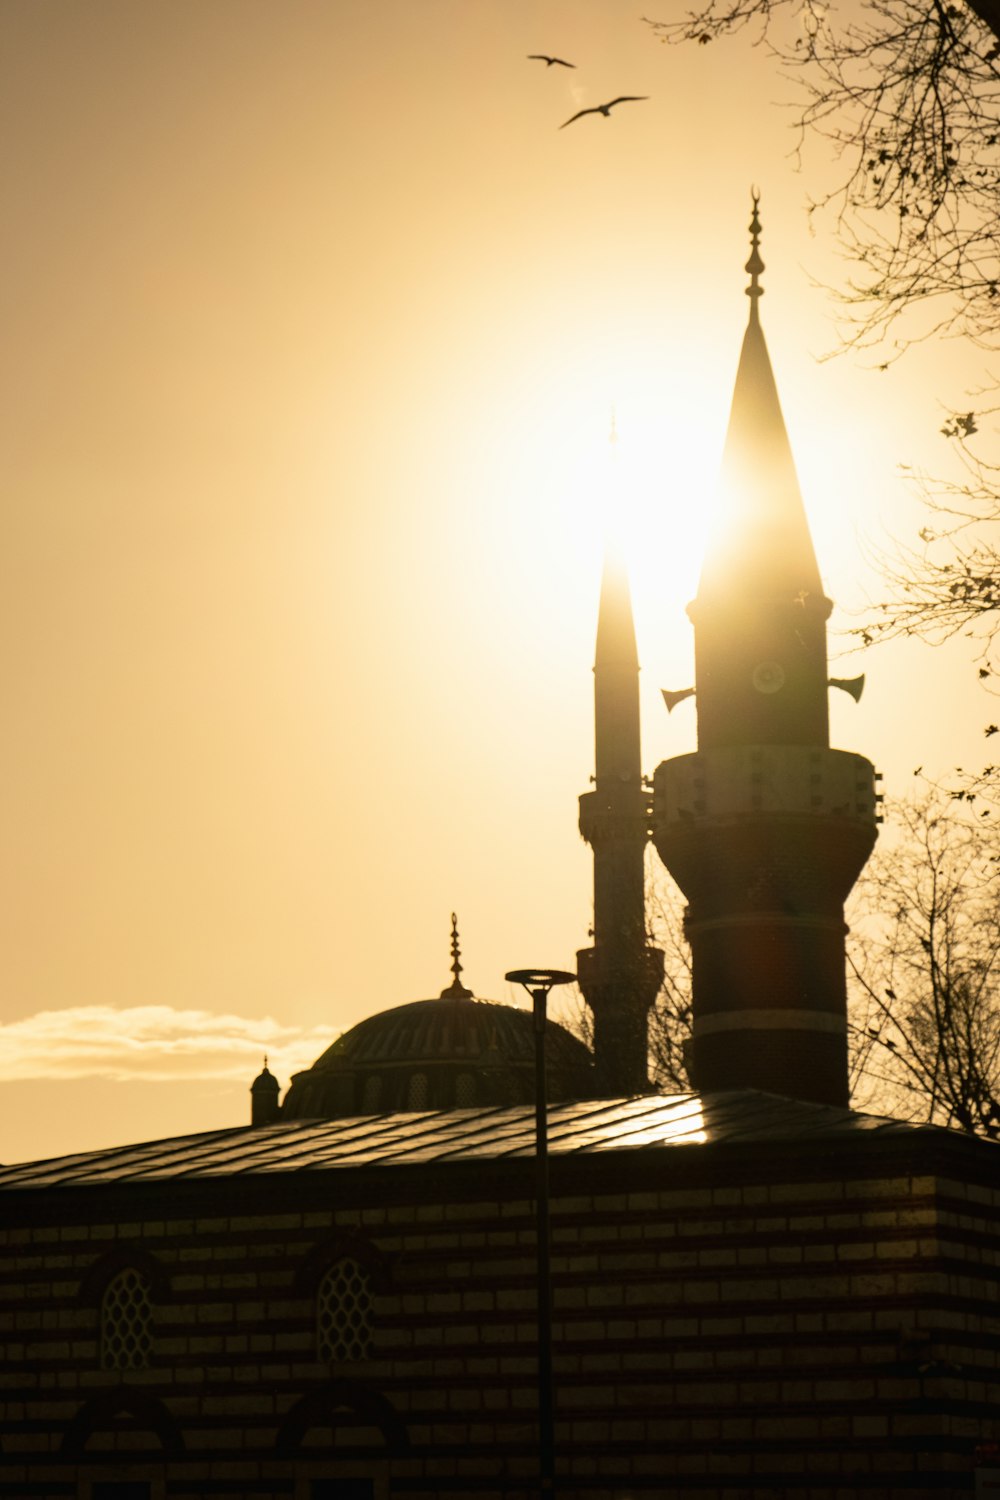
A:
{"x":465,"y":1090}
{"x":345,"y":1310}
{"x":126,"y":1315}
{"x":416,"y":1097}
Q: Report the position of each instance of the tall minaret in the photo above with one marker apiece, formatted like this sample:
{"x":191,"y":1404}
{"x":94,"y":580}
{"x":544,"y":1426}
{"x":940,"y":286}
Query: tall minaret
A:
{"x":764,"y":828}
{"x":620,"y":975}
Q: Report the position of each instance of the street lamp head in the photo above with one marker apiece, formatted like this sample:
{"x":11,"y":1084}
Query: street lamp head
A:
{"x":540,"y":979}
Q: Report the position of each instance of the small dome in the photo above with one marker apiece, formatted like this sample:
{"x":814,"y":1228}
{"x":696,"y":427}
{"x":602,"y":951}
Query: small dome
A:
{"x":264,"y":1107}
{"x":265,"y":1082}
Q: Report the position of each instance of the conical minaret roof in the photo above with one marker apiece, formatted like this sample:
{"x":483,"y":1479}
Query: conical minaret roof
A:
{"x":615,"y":626}
{"x":762,"y":547}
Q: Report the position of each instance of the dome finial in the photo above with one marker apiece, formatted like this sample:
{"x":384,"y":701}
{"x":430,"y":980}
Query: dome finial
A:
{"x":456,"y":990}
{"x":754,"y":265}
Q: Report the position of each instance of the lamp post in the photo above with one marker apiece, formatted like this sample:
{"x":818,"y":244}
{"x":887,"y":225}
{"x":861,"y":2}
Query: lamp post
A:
{"x":538,"y":983}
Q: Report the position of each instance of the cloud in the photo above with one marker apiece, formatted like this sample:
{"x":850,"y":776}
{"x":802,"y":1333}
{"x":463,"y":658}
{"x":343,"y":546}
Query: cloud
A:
{"x":154,"y":1043}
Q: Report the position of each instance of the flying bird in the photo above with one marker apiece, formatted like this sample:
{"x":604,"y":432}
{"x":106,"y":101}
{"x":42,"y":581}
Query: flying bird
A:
{"x":604,"y":109}
{"x":548,"y":61}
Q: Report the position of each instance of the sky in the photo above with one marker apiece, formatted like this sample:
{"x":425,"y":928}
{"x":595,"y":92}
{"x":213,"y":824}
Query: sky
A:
{"x":314,"y":324}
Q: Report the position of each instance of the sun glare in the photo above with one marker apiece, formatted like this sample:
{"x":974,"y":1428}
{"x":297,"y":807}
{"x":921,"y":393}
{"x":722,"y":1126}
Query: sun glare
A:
{"x":663,"y":487}
{"x":630,"y":462}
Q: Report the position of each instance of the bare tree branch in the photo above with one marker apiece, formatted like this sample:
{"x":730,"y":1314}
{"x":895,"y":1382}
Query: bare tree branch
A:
{"x":924,"y":960}
{"x":948,"y":583}
{"x":670,"y":1018}
{"x":908,"y":95}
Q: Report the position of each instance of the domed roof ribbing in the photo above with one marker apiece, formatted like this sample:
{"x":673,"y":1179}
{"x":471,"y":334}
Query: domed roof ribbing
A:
{"x":452,"y":1052}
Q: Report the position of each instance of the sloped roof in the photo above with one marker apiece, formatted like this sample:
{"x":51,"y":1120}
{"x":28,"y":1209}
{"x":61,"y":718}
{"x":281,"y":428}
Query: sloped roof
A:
{"x":649,"y":1122}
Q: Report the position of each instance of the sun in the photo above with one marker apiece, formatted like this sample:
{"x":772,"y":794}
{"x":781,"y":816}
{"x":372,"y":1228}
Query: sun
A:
{"x":633,"y":460}
{"x":663,"y":494}
{"x":552,"y":485}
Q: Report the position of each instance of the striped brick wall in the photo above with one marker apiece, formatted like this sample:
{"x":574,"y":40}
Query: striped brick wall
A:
{"x":830,"y":1336}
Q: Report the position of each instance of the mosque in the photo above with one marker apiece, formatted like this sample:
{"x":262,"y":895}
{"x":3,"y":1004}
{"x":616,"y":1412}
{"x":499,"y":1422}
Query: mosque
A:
{"x":765,"y":829}
{"x":380,"y":1289}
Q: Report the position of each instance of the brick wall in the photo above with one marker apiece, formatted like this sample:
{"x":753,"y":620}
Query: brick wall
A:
{"x":714,"y":1335}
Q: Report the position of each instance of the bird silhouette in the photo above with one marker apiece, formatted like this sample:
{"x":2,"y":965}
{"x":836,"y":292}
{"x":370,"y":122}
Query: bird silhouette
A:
{"x":548,"y":61}
{"x":604,"y":109}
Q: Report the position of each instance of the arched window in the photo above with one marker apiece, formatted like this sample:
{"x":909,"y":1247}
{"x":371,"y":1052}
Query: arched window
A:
{"x":465,"y":1090}
{"x":344,"y":1312}
{"x":373,"y":1095}
{"x":416,"y":1094}
{"x":126,"y":1316}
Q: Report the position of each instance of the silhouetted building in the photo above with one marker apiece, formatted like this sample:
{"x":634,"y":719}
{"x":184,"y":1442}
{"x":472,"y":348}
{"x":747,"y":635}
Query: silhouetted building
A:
{"x":622,"y":973}
{"x":764,"y":827}
{"x":264,"y":1096}
{"x":755,"y":1294}
{"x":453,"y":1052}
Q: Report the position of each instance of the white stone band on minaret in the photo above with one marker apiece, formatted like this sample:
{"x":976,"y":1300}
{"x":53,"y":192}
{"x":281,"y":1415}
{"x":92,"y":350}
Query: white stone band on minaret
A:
{"x":769,"y":1020}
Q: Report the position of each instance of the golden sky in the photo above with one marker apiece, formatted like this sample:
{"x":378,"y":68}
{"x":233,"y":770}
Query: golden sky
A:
{"x":313,"y":325}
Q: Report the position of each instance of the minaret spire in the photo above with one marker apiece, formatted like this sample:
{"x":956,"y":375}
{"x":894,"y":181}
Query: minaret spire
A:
{"x":754,"y":265}
{"x":620,"y":975}
{"x":759,"y":565}
{"x":765,"y":828}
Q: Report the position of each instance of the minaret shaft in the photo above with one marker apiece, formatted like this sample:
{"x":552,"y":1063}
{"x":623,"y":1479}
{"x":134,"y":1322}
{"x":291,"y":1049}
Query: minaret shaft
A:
{"x":619,"y":859}
{"x":741,"y":649}
{"x":620,"y":974}
{"x":764,"y":828}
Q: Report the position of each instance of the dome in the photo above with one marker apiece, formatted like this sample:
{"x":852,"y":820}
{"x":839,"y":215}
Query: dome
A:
{"x":451,"y":1052}
{"x":438,"y":1054}
{"x":265,"y":1083}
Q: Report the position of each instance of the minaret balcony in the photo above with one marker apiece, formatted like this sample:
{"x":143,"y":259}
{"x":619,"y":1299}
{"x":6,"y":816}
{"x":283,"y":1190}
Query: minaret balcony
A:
{"x":640,"y":973}
{"x":621,"y":810}
{"x":744,"y":780}
{"x":757,"y":826}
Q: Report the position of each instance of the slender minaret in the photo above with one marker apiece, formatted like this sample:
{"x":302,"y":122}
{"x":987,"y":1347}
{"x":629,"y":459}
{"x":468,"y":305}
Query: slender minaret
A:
{"x":764,"y":828}
{"x":621,"y":973}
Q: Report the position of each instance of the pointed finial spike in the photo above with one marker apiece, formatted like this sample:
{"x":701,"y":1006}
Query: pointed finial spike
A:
{"x":455,"y":990}
{"x":754,"y":265}
{"x":456,"y":967}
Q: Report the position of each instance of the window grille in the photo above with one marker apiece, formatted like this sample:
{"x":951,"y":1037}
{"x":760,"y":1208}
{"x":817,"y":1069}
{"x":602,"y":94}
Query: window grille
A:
{"x":465,"y":1091}
{"x":126,"y":1314}
{"x":416,"y":1097}
{"x":373,"y":1094}
{"x":344,"y":1313}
